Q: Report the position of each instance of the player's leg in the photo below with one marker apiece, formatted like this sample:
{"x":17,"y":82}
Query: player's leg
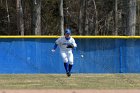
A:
{"x":65,"y":60}
{"x":70,"y":58}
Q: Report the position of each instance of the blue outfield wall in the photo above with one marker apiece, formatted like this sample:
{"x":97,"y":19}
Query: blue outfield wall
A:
{"x":99,"y":56}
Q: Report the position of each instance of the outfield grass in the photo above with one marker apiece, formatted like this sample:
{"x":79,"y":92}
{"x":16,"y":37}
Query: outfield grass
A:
{"x":76,"y":81}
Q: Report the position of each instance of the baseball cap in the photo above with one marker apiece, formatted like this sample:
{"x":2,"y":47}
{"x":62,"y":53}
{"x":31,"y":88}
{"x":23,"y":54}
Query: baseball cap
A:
{"x":67,"y":31}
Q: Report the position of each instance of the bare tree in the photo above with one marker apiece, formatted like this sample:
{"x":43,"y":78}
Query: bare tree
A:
{"x":20,"y":21}
{"x":116,"y":18}
{"x":84,"y":17}
{"x":96,"y":18}
{"x":81,"y":19}
{"x":8,"y":16}
{"x":61,"y":18}
{"x":88,"y":20}
{"x":131,"y":17}
{"x":1,"y":1}
{"x":36,"y":17}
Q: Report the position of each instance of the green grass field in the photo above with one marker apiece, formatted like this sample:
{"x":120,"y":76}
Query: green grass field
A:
{"x":76,"y":81}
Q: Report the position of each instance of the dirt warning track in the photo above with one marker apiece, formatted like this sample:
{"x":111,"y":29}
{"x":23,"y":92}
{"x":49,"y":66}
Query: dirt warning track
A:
{"x":71,"y":91}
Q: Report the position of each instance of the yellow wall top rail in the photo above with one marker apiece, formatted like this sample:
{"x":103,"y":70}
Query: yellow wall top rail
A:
{"x":80,"y":37}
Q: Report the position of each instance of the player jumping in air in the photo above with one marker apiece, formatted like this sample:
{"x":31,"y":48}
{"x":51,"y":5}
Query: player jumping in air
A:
{"x":66,"y":43}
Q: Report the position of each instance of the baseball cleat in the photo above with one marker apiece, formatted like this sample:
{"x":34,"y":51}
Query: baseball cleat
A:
{"x":68,"y":74}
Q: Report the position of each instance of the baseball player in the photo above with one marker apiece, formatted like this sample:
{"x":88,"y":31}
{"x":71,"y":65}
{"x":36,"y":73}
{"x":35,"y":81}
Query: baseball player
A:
{"x":66,"y":44}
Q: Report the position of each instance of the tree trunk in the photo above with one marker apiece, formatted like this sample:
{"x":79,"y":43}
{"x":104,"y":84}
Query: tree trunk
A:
{"x":82,"y":17}
{"x":36,"y":17}
{"x":86,"y":21}
{"x":115,"y":32}
{"x":124,"y":17}
{"x":20,"y":21}
{"x":96,"y":18}
{"x":131,"y":18}
{"x":61,"y":18}
{"x":138,"y":18}
{"x":1,"y":2}
{"x":8,"y":17}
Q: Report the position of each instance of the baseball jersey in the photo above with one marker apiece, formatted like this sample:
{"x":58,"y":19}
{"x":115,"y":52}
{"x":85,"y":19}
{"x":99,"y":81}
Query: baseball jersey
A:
{"x":62,"y":43}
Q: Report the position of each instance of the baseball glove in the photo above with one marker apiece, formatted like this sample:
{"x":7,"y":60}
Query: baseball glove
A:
{"x":70,"y":46}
